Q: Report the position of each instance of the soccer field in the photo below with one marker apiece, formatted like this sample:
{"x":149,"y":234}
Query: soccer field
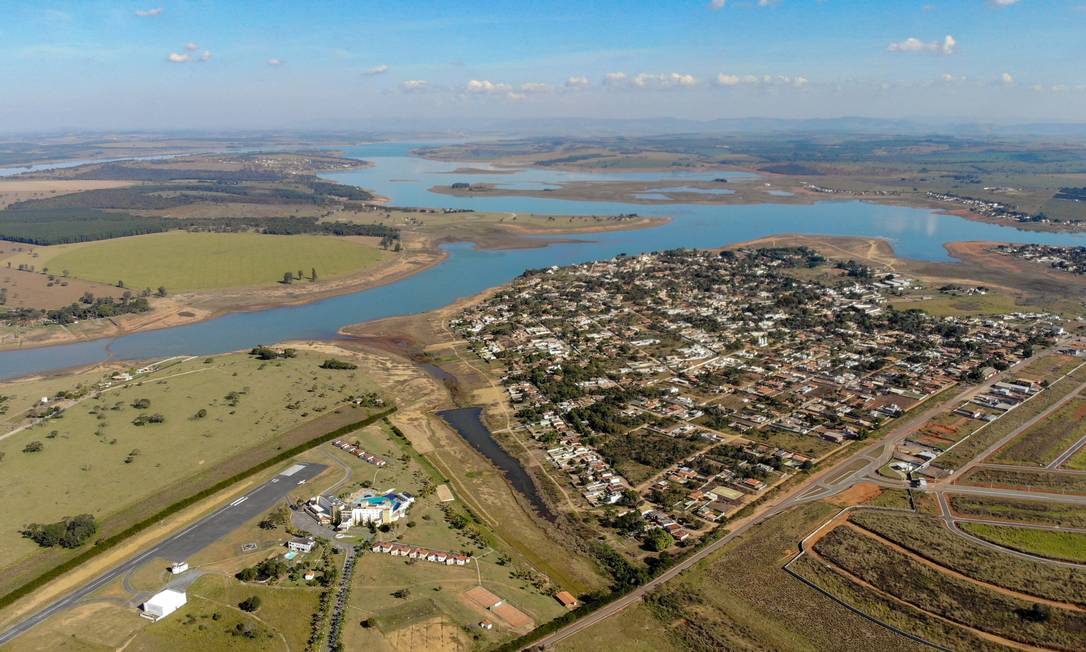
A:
{"x":180,"y":260}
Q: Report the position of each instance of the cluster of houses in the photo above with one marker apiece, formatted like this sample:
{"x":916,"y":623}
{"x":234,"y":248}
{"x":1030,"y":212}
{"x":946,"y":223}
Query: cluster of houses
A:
{"x":588,"y":471}
{"x":920,"y":451}
{"x":664,"y":522}
{"x":364,"y":507}
{"x":988,"y":208}
{"x":425,"y":554}
{"x":353,"y":449}
{"x":1067,"y":259}
{"x":706,"y":347}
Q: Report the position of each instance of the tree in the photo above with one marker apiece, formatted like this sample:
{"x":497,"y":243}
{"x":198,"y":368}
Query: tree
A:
{"x":288,"y":278}
{"x":313,"y":274}
{"x":403,"y":594}
{"x":69,"y":532}
{"x":33,"y":447}
{"x":120,"y":284}
{"x":250,"y":604}
{"x":161,"y":290}
{"x":275,"y":518}
{"x":658,"y":540}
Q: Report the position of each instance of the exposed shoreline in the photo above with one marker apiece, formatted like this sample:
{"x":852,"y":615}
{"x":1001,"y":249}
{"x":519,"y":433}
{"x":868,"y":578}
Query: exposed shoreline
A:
{"x":194,"y":307}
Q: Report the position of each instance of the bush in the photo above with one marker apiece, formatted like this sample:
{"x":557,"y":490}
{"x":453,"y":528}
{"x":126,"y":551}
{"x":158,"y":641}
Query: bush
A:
{"x":69,"y":532}
{"x":332,"y":363}
{"x":250,"y":604}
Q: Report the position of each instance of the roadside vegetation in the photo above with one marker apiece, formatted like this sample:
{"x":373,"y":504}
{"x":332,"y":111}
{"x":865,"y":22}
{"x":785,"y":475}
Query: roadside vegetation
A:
{"x":1027,"y":511}
{"x":957,"y":599}
{"x":927,"y":537}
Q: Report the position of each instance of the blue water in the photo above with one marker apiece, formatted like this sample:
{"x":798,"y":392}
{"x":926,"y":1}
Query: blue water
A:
{"x":915,"y":233}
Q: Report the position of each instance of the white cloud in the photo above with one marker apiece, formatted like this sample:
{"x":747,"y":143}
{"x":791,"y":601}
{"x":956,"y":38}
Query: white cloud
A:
{"x":414,"y":85}
{"x":178,"y":57}
{"x":376,"y":70}
{"x":717,"y":4}
{"x":577,"y":81}
{"x":651,"y":80}
{"x":275,"y":62}
{"x":913,"y":44}
{"x":725,"y":79}
{"x":1002,"y":3}
{"x":487,"y":86}
{"x":948,"y":78}
{"x":148,"y":13}
{"x":1006,"y":79}
{"x":534,"y":87}
{"x":514,"y":97}
{"x":191,"y":47}
{"x":614,"y":79}
{"x":205,"y":56}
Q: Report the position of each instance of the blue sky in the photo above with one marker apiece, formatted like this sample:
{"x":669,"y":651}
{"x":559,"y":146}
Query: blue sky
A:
{"x":309,"y":63}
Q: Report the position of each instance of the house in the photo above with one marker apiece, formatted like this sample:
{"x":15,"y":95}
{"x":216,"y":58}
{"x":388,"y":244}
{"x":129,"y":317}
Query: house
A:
{"x":163,"y":604}
{"x":298,"y":544}
{"x":566,"y":598}
{"x":309,"y":576}
{"x":487,"y":625}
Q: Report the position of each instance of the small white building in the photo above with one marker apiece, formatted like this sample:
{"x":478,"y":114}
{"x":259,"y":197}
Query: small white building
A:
{"x":179,"y":567}
{"x":163,"y":604}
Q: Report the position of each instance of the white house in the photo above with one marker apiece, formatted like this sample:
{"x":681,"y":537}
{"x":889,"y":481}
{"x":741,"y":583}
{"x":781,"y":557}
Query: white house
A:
{"x":179,"y":567}
{"x":301,"y":545}
{"x":163,"y":604}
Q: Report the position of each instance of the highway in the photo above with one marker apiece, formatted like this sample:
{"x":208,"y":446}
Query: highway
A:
{"x":182,"y":545}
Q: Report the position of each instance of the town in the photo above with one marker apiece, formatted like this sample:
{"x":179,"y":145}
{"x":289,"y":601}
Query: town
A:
{"x":674,"y":388}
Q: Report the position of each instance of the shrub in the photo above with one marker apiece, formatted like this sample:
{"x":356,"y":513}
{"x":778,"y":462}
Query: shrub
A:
{"x":250,"y":604}
{"x":69,"y":532}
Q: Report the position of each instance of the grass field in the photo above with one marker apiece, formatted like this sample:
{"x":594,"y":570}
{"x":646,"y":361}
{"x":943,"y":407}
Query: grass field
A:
{"x":1069,"y":546}
{"x":94,"y":459}
{"x":1026,"y":511}
{"x":281,"y":622}
{"x":887,"y":610}
{"x":1047,"y":439}
{"x":950,"y":597}
{"x":928,"y":538}
{"x":956,"y":306}
{"x":180,"y":260}
{"x":740,"y":598}
{"x":434,"y":590}
{"x":1077,"y":461}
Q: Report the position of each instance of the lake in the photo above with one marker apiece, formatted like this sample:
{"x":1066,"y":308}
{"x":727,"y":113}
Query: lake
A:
{"x":914,"y":233}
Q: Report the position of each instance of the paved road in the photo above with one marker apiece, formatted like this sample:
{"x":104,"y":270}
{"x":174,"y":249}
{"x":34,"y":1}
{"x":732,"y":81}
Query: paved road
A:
{"x":182,"y":545}
{"x":1008,"y":493}
{"x":952,"y":524}
{"x":1068,"y":454}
